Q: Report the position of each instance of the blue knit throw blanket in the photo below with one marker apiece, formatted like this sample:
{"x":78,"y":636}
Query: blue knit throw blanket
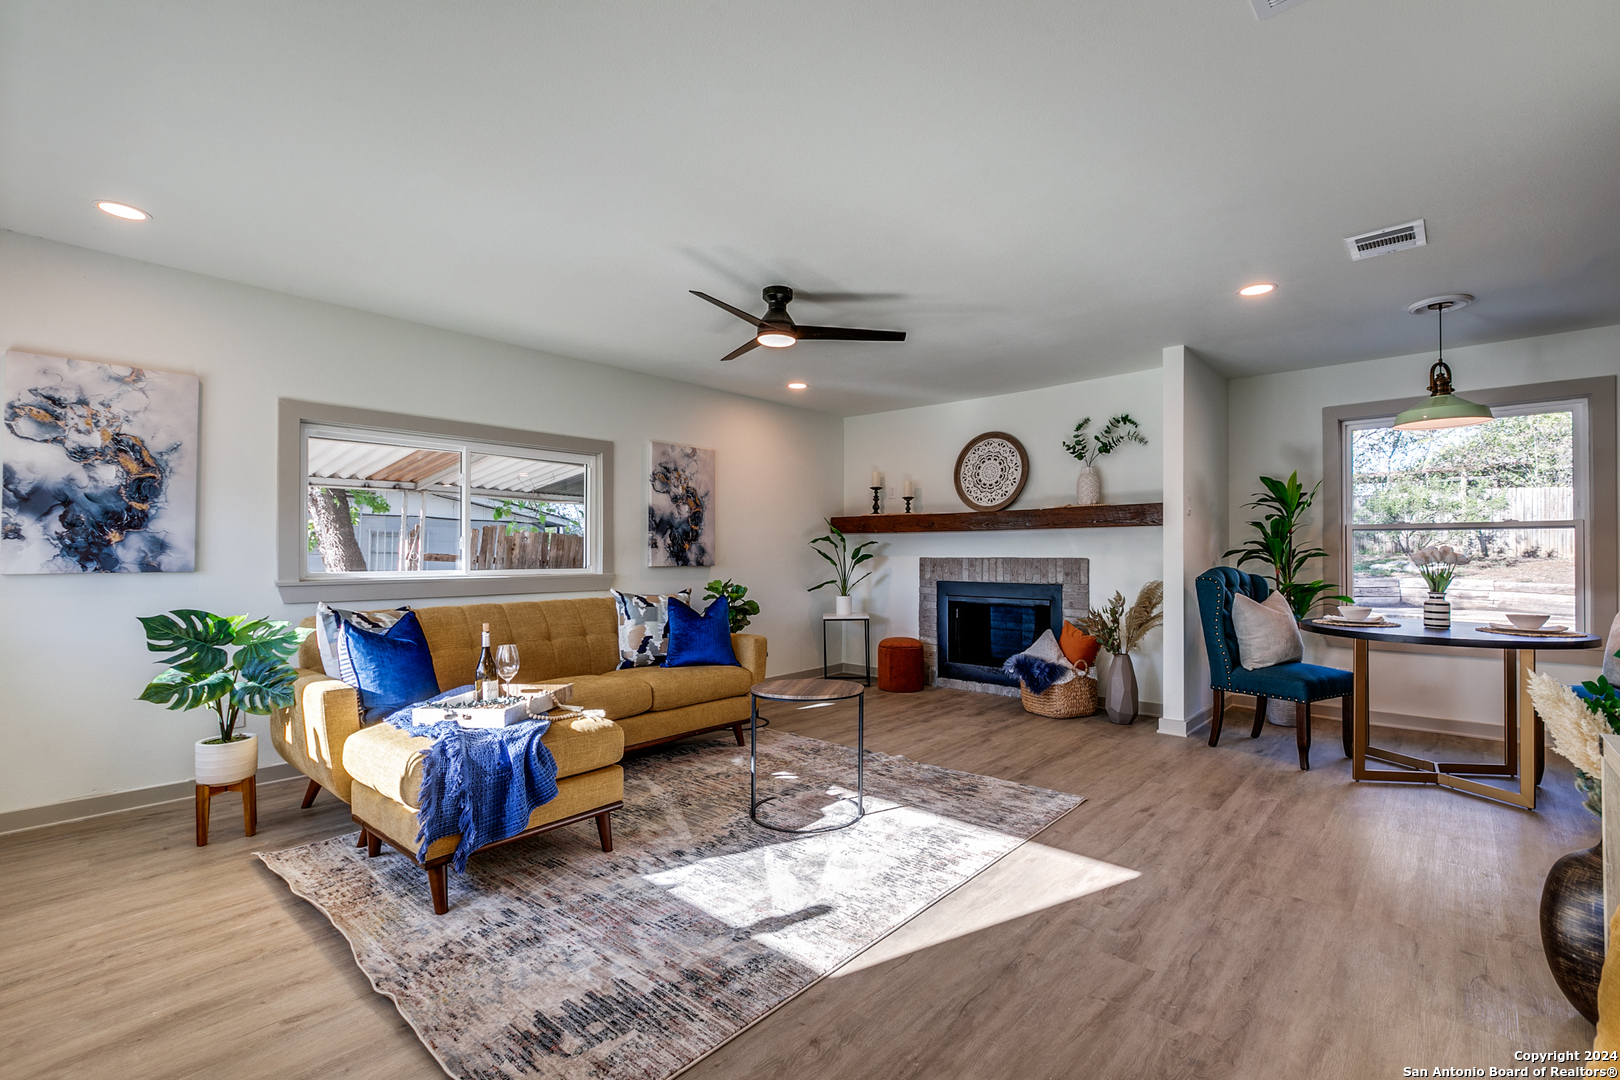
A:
{"x":482,"y":783}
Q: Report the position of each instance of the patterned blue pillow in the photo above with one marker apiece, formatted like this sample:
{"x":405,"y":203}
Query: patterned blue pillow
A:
{"x":700,"y":639}
{"x":391,"y":669}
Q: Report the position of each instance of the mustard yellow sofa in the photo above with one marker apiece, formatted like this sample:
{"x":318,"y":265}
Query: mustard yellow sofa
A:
{"x":573,"y":641}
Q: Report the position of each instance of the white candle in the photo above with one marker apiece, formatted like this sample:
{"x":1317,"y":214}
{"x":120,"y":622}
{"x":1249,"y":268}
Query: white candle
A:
{"x":908,"y":491}
{"x":877,"y":479}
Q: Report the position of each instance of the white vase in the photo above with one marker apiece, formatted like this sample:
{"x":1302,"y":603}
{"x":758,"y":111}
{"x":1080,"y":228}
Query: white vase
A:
{"x":226,"y":763}
{"x":843,"y":606}
{"x":1088,"y":488}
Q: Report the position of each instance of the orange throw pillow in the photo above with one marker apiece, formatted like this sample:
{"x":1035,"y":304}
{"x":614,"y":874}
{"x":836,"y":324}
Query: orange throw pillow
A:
{"x":1080,"y":648}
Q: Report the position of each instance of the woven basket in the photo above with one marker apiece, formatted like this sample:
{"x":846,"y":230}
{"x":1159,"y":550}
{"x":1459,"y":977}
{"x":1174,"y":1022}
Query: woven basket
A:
{"x":1077,"y":697}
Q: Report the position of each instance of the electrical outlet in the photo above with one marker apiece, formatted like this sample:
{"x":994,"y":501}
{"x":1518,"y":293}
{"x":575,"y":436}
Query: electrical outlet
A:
{"x":1189,"y":506}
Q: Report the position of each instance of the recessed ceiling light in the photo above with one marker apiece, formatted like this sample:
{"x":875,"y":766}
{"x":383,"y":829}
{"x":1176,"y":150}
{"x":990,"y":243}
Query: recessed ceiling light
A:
{"x":798,"y":386}
{"x":122,"y":210}
{"x":1257,"y":289}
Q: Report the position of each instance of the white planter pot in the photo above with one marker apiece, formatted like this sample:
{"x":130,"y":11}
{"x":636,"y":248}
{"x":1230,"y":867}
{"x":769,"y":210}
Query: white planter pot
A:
{"x":844,"y":606}
{"x":226,"y":763}
{"x":1088,"y":488}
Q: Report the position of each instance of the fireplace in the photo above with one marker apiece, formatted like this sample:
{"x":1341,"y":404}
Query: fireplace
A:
{"x":1000,"y":604}
{"x":981,"y":623}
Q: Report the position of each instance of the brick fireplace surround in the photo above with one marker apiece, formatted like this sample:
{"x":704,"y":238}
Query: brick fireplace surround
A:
{"x":1073,"y":574}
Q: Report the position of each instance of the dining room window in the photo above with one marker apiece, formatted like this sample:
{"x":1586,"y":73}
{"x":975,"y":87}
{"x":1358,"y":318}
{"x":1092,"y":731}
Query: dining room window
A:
{"x":1512,"y":495}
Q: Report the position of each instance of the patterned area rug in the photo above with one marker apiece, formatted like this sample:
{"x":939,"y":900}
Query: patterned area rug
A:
{"x":557,"y":960}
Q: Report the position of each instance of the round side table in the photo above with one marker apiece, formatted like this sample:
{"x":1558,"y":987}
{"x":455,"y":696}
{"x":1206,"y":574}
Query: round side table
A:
{"x":806,"y":690}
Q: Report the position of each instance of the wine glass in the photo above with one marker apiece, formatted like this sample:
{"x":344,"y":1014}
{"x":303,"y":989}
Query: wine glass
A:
{"x":506,"y":664}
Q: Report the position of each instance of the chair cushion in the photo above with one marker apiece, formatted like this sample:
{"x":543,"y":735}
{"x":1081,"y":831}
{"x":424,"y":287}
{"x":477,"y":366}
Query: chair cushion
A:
{"x":613,"y":693}
{"x":1266,"y":632}
{"x":1294,"y":682}
{"x":676,"y":688}
{"x":700,"y":639}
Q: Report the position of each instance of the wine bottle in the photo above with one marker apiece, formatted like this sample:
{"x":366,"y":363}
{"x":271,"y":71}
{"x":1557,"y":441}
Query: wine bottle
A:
{"x":486,"y":682}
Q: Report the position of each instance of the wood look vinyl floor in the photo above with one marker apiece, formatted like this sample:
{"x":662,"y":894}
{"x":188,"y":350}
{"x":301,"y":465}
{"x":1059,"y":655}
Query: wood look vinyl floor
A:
{"x":1281,"y":924}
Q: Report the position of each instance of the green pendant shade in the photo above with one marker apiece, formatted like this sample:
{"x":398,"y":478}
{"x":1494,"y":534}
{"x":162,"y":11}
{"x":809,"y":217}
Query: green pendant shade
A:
{"x":1443,"y":411}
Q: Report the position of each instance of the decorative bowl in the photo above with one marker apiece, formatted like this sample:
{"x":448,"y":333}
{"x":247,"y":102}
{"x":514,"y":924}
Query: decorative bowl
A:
{"x":1355,"y":613}
{"x":1525,"y":621}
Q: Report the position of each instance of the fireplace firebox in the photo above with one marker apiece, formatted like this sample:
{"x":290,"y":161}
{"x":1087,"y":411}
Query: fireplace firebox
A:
{"x":981,"y":623}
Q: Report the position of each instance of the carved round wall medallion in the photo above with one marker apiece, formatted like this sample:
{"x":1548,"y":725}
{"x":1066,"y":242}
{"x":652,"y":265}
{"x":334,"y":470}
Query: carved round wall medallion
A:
{"x":991,"y":471}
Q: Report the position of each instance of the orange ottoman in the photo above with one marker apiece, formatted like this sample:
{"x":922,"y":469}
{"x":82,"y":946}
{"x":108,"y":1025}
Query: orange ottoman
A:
{"x":900,"y":665}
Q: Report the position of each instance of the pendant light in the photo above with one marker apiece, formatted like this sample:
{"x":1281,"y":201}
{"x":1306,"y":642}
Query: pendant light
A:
{"x":1443,"y":409}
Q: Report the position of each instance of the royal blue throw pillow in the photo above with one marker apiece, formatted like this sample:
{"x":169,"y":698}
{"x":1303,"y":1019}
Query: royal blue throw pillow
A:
{"x":700,"y":639}
{"x":392,"y":669}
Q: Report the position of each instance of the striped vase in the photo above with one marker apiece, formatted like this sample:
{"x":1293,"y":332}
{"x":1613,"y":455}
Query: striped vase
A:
{"x":1437,"y":612}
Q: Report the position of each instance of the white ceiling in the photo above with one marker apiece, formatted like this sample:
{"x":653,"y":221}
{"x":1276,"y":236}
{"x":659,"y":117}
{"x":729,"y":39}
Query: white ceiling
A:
{"x":1037,"y":192}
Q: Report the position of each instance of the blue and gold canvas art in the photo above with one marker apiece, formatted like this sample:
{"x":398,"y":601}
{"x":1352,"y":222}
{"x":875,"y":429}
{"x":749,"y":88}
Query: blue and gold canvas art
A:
{"x":100,"y":468}
{"x":680,"y":506}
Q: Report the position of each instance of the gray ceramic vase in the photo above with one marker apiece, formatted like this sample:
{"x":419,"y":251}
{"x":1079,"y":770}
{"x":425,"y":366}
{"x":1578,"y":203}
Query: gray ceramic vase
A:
{"x":1120,"y":701}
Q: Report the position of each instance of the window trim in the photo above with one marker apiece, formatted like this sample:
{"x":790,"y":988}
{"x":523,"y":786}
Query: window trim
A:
{"x":1599,"y":593}
{"x":295,"y":583}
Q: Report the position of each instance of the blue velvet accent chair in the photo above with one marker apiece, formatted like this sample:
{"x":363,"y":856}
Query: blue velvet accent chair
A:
{"x":1303,"y":684}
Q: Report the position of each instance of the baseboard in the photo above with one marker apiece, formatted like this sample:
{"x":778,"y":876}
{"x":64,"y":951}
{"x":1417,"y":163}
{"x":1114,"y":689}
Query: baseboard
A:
{"x":37,"y":817}
{"x":1188,"y":727}
{"x":833,"y":670}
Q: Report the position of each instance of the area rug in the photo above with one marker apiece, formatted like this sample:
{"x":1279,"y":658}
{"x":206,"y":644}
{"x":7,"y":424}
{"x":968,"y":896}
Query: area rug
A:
{"x":557,"y":960}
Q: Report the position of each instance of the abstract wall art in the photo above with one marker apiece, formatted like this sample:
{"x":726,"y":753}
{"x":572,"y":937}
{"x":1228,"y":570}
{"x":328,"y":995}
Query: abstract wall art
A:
{"x":680,"y":506}
{"x":100,"y":468}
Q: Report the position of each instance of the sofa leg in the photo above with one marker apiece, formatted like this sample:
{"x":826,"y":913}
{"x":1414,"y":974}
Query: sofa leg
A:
{"x":310,"y":792}
{"x":1217,"y":717}
{"x":604,"y":829}
{"x":373,"y":845}
{"x":1348,"y":723}
{"x":360,"y":841}
{"x":1259,"y":716}
{"x":1302,"y":733}
{"x":439,"y":888}
{"x":736,"y":731}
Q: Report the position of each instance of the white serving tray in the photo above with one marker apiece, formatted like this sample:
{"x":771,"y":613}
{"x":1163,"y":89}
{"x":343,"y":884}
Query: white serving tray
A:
{"x":464,"y":712}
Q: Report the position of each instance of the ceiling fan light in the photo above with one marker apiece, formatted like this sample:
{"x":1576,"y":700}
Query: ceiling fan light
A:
{"x":1443,"y":411}
{"x":775,"y":339}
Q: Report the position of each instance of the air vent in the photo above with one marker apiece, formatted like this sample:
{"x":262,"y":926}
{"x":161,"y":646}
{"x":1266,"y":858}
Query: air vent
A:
{"x":1384,"y":241}
{"x":1265,"y":9}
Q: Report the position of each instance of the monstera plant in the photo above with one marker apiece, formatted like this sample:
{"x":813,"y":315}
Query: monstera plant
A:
{"x":230,"y":664}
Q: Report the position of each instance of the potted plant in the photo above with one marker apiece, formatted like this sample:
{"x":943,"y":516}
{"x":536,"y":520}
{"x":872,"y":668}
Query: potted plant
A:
{"x":1119,"y":631}
{"x":740,"y":610}
{"x":844,"y":560}
{"x":1437,"y":566}
{"x":1086,"y":449}
{"x":1277,"y":545}
{"x":256,"y":678}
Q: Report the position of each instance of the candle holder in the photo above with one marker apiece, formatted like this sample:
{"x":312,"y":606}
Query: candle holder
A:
{"x":908,"y":499}
{"x":875,"y":492}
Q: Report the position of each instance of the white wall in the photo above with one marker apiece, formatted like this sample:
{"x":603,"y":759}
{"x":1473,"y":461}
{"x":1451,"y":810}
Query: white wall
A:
{"x":1276,"y":427}
{"x":1195,"y":526}
{"x":74,"y":656}
{"x":922,"y":445}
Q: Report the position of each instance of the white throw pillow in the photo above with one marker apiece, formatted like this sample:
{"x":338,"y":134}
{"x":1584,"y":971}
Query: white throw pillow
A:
{"x":1046,"y":648}
{"x":1611,"y":665}
{"x":1267,"y":633}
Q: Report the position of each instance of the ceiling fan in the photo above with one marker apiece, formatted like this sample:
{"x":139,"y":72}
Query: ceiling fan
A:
{"x":777,"y":330}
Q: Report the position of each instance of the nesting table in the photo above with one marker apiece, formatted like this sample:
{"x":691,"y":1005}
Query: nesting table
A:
{"x":815,"y":690}
{"x":1522,"y":752}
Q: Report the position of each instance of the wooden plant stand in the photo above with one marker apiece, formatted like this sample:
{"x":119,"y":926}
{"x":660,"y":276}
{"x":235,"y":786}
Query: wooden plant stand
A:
{"x":250,"y":806}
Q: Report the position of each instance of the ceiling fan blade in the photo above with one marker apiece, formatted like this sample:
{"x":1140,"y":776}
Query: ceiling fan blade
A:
{"x":847,"y":333}
{"x":741,"y":314}
{"x":739,"y":350}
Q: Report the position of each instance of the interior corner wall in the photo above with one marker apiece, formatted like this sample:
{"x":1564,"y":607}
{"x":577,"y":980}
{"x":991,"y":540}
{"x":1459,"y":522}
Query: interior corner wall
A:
{"x":922,"y":444}
{"x":1276,"y":428}
{"x":74,"y":653}
{"x":1195,"y":526}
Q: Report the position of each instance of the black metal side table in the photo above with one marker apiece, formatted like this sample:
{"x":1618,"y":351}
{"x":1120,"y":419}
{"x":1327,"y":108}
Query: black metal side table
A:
{"x":862,"y":617}
{"x":806,"y":690}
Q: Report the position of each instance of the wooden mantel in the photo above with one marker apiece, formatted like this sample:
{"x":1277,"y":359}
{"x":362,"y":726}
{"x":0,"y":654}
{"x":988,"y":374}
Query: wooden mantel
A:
{"x":1100,"y":516}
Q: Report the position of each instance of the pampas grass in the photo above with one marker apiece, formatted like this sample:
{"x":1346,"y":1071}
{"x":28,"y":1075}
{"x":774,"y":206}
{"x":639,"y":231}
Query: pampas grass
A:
{"x":1576,"y":730}
{"x":1145,"y":614}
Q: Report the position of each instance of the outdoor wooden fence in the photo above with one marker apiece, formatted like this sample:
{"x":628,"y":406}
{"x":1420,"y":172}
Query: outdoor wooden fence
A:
{"x":493,"y":548}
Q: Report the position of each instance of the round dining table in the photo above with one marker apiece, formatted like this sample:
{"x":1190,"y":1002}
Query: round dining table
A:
{"x":1523,"y":757}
